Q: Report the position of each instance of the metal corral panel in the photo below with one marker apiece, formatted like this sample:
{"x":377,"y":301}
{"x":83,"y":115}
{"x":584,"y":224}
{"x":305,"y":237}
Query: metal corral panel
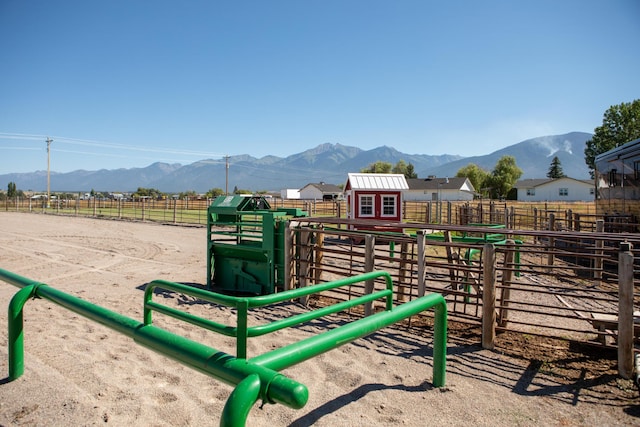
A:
{"x":232,"y":205}
{"x":377,"y":181}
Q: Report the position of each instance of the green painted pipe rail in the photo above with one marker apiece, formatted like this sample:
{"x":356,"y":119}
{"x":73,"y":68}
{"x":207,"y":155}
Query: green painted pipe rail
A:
{"x":242,"y":331}
{"x":256,"y":378}
{"x":273,"y":387}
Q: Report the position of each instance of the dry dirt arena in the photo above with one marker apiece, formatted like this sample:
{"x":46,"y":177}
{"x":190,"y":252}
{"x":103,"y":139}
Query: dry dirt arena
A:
{"x":79,"y":373}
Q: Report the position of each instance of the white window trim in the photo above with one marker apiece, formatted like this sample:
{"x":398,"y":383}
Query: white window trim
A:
{"x":395,"y":205}
{"x":373,"y":205}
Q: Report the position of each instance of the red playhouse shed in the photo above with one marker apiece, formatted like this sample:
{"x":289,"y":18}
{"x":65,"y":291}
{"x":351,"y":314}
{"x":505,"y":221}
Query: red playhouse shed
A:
{"x":375,"y":196}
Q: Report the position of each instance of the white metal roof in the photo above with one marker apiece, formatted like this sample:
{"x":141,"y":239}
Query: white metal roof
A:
{"x":378,"y":181}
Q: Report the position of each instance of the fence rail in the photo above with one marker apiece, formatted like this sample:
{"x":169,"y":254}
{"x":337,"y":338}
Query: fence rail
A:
{"x":559,"y":277}
{"x":560,"y":284}
{"x":518,"y":215}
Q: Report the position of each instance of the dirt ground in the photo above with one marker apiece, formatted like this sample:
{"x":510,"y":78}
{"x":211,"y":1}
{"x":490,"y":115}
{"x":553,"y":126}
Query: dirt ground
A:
{"x":78,"y":372}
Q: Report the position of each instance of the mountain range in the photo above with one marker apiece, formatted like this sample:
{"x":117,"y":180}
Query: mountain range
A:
{"x":328,"y":163}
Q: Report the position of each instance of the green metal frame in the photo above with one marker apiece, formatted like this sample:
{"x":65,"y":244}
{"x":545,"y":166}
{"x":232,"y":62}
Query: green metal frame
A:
{"x":255,"y":378}
{"x":247,"y":256}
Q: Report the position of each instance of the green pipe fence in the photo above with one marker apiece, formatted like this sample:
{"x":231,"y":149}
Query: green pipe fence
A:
{"x":255,"y":378}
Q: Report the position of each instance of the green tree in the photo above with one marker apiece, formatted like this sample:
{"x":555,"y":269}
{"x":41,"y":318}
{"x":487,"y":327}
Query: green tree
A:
{"x":147,"y":192}
{"x":621,"y":123}
{"x":405,"y":169}
{"x":378,"y":167}
{"x":12,"y":191}
{"x":191,"y":194}
{"x":476,"y":175}
{"x":214,"y":192}
{"x":410,"y":173}
{"x":400,"y":167}
{"x":504,"y":175}
{"x":555,"y":169}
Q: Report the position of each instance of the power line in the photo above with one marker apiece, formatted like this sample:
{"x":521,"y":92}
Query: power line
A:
{"x":103,"y":144}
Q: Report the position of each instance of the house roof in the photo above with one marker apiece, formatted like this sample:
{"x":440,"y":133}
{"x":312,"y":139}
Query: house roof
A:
{"x":324,"y":188}
{"x":531,"y":183}
{"x":437,"y":183}
{"x":376,"y":181}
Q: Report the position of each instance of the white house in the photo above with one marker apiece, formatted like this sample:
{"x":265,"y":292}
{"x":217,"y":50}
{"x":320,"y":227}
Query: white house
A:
{"x":559,"y":189}
{"x":439,"y":189}
{"x":290,"y":194}
{"x":320,"y":191}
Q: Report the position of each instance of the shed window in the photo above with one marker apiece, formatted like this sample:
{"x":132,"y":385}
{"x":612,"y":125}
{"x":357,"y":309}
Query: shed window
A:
{"x":366,"y":205}
{"x":531,"y":191}
{"x":563,"y":191}
{"x":389,"y":205}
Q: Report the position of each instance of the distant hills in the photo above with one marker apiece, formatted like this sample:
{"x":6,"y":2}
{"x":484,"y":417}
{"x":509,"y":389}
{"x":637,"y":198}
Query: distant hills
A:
{"x":328,"y":163}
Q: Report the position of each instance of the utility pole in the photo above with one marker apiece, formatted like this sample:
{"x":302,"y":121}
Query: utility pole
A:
{"x":226,"y":176}
{"x":49,"y":141}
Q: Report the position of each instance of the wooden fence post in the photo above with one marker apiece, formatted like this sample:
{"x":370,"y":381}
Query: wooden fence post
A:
{"x":507,"y":276}
{"x":369,"y":258}
{"x":489,"y":296}
{"x":175,"y":211}
{"x":625,"y":311}
{"x":402,"y":271}
{"x":599,"y":261}
{"x":289,"y":264}
{"x":552,"y":226}
{"x":421,"y":242}
{"x":317,"y":264}
{"x":512,"y":218}
{"x":305,"y":255}
{"x":453,"y":263}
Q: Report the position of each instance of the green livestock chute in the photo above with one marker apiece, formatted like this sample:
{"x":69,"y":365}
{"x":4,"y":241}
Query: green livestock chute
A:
{"x":245,"y":245}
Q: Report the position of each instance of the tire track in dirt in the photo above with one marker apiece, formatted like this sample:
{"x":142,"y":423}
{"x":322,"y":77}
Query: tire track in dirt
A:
{"x":91,"y":259}
{"x":147,"y":255}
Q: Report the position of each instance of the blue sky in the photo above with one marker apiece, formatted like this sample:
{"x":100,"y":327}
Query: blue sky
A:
{"x":127,"y":83}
